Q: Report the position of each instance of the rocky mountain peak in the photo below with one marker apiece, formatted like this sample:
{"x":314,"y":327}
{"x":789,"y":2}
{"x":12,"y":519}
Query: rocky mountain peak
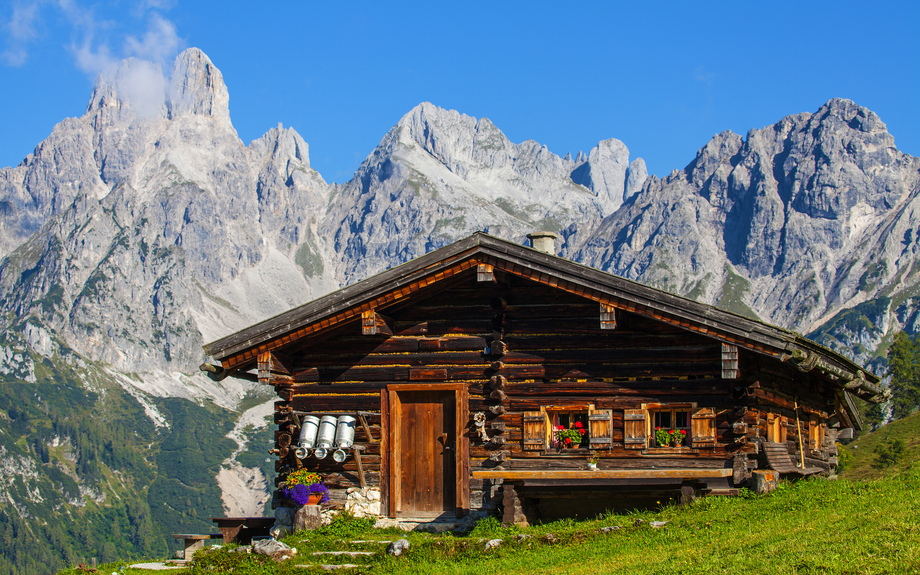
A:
{"x":608,"y":173}
{"x":197,"y":87}
{"x":134,"y":88}
{"x":456,"y":140}
{"x":717,"y":151}
{"x":856,"y":117}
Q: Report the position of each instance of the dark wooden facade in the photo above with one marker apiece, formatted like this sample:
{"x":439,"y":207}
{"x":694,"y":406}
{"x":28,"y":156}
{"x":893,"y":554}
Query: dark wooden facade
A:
{"x":528,"y":340}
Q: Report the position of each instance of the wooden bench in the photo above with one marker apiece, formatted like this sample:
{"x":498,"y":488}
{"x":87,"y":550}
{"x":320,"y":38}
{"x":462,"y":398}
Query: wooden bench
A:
{"x":686,"y":479}
{"x":584,"y":474}
{"x":778,"y":459}
{"x":194,"y":542}
{"x":242,"y":529}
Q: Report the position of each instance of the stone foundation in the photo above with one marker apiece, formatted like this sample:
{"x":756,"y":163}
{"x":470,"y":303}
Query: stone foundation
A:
{"x":363,"y":502}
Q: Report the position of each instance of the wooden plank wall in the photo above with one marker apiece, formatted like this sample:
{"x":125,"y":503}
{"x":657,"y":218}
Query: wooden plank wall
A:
{"x":556,"y":354}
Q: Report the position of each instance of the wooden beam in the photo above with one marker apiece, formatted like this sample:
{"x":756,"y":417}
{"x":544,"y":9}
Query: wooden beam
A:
{"x":367,"y":429}
{"x":218,"y":373}
{"x":485,"y":273}
{"x":512,"y":475}
{"x":356,"y":449}
{"x":369,"y":322}
{"x":265,"y":367}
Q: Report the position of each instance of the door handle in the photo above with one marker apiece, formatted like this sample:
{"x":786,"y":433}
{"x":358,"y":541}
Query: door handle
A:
{"x":443,"y":440}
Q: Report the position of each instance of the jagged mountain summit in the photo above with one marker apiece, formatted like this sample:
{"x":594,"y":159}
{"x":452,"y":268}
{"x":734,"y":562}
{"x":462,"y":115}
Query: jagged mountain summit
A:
{"x":439,"y":175}
{"x":146,"y":227}
{"x":809,"y":224}
{"x":148,"y":223}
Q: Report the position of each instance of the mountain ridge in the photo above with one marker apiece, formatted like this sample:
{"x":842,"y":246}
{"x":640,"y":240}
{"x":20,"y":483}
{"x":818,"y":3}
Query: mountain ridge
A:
{"x":146,"y":227}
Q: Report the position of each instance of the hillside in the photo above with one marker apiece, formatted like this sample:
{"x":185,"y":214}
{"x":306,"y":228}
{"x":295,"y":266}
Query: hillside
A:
{"x":812,"y":526}
{"x":863,"y":452}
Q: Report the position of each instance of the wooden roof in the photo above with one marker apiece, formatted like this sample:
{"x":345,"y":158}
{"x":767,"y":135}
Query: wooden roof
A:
{"x":241,"y":349}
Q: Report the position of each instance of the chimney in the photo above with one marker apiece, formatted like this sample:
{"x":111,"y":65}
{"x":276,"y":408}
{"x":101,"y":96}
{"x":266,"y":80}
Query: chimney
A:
{"x":543,"y":242}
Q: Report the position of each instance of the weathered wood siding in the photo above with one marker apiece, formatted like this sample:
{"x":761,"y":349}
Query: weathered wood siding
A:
{"x":551,"y":349}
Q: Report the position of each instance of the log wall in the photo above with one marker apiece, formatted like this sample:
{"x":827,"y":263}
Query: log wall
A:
{"x":547,"y":347}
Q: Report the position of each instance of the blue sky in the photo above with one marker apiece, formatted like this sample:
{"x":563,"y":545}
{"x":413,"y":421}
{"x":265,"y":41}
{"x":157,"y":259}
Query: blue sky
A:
{"x":663,"y":77}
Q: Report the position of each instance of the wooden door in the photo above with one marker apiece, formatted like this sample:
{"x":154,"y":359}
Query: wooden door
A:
{"x":423,"y":431}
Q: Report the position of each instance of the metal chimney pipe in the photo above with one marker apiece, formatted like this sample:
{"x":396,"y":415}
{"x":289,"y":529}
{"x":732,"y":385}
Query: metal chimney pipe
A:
{"x":543,"y":242}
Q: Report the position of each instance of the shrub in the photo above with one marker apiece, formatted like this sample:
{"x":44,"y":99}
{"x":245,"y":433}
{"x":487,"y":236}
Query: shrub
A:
{"x":888,"y":453}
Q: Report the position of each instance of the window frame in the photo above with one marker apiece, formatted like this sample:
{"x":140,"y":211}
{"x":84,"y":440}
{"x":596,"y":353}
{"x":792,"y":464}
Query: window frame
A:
{"x":538,"y":428}
{"x":652,"y":409}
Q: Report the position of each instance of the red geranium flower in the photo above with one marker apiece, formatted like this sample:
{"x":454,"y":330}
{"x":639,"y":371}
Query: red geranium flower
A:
{"x":577,"y":424}
{"x":567,"y":441}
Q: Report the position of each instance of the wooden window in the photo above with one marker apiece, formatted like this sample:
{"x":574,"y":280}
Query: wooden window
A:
{"x":635,"y":428}
{"x":699,"y":423}
{"x":776,"y":428}
{"x":669,"y":418}
{"x":730,"y":362}
{"x":569,"y":419}
{"x":539,"y":426}
{"x":601,"y":428}
{"x":608,"y":317}
{"x":536,"y":430}
{"x":703,"y":427}
{"x":816,"y":433}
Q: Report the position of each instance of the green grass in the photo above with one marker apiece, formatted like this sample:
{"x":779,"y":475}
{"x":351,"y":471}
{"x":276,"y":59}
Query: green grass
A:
{"x":862,"y":452}
{"x":812,"y":526}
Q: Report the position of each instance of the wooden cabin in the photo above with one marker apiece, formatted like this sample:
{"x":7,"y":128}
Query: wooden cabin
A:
{"x":463,"y":363}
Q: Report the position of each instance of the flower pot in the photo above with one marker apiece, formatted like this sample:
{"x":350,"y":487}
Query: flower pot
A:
{"x":314,"y":498}
{"x":592,"y":465}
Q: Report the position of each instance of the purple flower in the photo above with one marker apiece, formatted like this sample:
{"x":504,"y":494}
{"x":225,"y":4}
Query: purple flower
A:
{"x":301,"y":493}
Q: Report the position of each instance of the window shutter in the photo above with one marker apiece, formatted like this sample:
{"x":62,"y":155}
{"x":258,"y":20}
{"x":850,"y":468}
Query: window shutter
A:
{"x":600,"y":424}
{"x":703,"y":427}
{"x":535,"y":428}
{"x":634,"y":428}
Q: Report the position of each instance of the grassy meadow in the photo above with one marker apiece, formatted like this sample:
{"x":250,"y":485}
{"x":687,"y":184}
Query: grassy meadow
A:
{"x":867,"y":521}
{"x":810,"y":526}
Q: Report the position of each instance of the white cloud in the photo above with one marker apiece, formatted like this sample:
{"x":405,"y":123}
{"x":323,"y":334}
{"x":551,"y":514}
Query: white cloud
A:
{"x":95,"y":43}
{"x":15,"y":56}
{"x":143,"y":87}
{"x":91,"y":59}
{"x":146,"y":5}
{"x":20,"y":31}
{"x":159,"y":44}
{"x":22,"y":24}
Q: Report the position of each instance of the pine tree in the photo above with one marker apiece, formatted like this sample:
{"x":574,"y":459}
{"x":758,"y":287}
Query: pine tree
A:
{"x":904,"y":369}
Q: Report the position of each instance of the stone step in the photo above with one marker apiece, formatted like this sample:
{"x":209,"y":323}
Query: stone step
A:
{"x":331,"y":567}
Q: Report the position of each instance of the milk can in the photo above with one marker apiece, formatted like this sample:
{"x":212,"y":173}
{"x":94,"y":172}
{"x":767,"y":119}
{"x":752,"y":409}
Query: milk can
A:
{"x":307,"y":436}
{"x":344,"y":437}
{"x":326,"y":436}
{"x":345,"y":432}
